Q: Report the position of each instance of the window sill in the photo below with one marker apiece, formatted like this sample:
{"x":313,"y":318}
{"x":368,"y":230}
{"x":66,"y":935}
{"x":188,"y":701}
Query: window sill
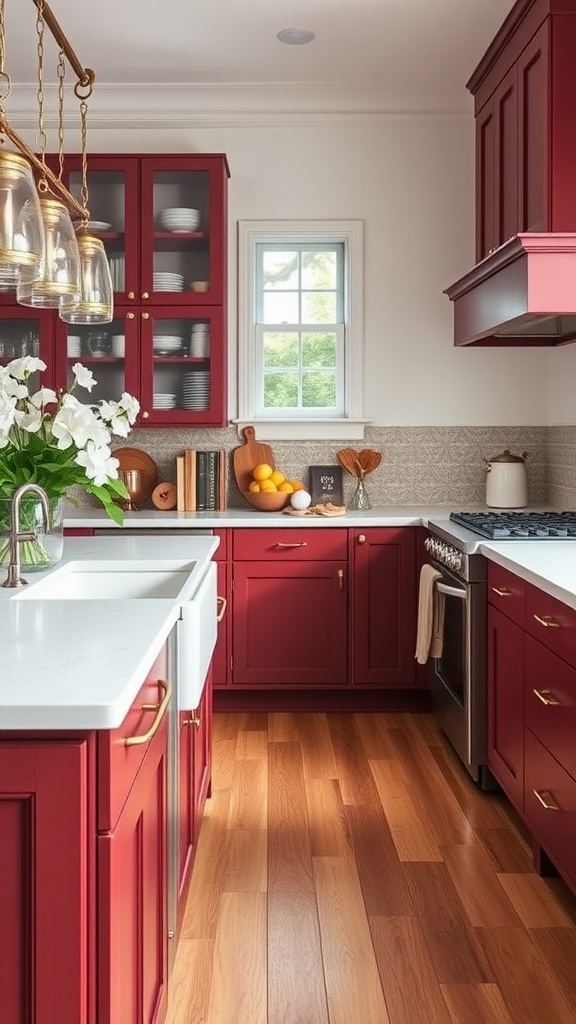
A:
{"x":306,"y":430}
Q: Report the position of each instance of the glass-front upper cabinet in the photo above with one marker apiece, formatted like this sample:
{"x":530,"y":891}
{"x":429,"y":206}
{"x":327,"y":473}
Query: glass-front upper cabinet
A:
{"x":28,"y":332}
{"x":162,"y":220}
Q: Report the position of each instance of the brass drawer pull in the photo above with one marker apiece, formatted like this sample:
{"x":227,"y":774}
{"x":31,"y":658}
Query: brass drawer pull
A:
{"x":160,"y":709}
{"x":192,"y":721}
{"x":547,"y":620}
{"x":299,"y":544}
{"x":539,"y":794}
{"x":222,"y":602}
{"x":502,"y":591}
{"x":547,"y":698}
{"x":340,"y":575}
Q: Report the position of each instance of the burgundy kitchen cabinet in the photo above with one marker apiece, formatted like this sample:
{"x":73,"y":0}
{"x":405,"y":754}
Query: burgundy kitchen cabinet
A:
{"x":27,"y":332}
{"x":83,"y":819}
{"x":221,"y":656}
{"x":46,"y":888}
{"x":506,"y":704}
{"x":523,"y":92}
{"x":290,"y":608}
{"x":383,"y":610}
{"x":127,"y":194}
{"x":194,"y":783}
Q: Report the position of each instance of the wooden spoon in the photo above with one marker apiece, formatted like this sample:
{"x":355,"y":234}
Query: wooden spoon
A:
{"x":369,"y":459}
{"x":348,"y":458}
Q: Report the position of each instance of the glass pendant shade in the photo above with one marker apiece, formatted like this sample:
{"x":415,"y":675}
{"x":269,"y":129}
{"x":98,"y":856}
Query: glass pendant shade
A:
{"x":60,"y":265}
{"x":95,"y":305}
{"x":21,"y":225}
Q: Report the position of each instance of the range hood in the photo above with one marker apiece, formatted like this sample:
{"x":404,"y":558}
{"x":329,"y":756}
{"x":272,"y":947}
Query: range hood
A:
{"x":523,"y":293}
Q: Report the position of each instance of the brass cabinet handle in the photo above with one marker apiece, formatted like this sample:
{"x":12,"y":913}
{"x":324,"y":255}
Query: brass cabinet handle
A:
{"x":160,"y":709}
{"x":145,"y":316}
{"x":222,"y":602}
{"x":300,"y":544}
{"x":502,"y":591}
{"x":341,"y":578}
{"x":132,"y":295}
{"x":547,"y":698}
{"x":192,"y":721}
{"x":547,"y":620}
{"x":145,"y":295}
{"x":539,"y":794}
{"x":130,"y":316}
{"x":361,"y":538}
{"x":144,"y":415}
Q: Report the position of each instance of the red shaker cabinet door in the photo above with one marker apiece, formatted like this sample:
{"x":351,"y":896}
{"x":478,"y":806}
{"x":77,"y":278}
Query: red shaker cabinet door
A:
{"x":289,"y":624}
{"x":132,"y":921}
{"x":44,"y":890}
{"x":497,"y":167}
{"x":383,"y":564}
{"x":506,"y":704}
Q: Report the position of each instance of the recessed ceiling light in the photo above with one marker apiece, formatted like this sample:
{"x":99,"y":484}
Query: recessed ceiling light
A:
{"x":295,"y":36}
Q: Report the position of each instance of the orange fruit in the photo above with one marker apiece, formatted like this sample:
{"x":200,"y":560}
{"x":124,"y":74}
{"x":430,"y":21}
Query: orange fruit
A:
{"x":254,"y":486}
{"x":296,"y":485}
{"x":277,"y":477}
{"x":262,"y":471}
{"x":267,"y":485}
{"x":286,"y":487}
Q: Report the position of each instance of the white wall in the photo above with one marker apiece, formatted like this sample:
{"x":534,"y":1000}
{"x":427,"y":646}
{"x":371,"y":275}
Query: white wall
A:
{"x":411,"y":181}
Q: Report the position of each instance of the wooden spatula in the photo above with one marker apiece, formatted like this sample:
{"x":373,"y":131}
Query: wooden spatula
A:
{"x":369,"y":459}
{"x":348,"y":457}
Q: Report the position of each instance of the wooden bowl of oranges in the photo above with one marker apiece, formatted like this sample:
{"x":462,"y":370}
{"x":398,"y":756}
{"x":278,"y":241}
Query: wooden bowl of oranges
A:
{"x":269,"y":490}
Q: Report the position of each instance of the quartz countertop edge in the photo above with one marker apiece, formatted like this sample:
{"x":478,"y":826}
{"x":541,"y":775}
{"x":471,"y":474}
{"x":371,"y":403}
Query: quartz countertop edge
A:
{"x":146,"y":519}
{"x":549,"y":565}
{"x":78,"y":664}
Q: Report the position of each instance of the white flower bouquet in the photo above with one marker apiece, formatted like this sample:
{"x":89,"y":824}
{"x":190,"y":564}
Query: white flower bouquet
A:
{"x":58,"y":442}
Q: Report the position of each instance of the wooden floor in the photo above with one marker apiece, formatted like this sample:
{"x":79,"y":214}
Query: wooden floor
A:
{"x":349,"y":872}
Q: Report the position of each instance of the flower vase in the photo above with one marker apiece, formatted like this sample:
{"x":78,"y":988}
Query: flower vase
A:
{"x":360,"y":499}
{"x":47,"y":547}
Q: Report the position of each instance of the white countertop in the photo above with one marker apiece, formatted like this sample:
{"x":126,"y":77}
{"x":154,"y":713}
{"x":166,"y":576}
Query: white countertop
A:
{"x":79,"y":664}
{"x":547,"y":564}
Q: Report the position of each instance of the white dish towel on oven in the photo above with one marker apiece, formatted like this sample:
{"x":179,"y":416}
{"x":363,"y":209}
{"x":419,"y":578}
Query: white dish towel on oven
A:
{"x":430,"y":616}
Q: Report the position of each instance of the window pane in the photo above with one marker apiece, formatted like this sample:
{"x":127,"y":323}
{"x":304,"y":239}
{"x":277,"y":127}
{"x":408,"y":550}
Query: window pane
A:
{"x":281,"y":308}
{"x":319,"y":389}
{"x":281,"y":391}
{"x":281,"y":349}
{"x":280,"y":269}
{"x":319,"y":269}
{"x":318,"y":349}
{"x":318,"y":307}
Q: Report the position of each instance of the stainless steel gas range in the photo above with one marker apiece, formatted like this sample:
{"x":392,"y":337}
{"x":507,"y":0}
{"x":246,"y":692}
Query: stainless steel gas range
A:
{"x":459,"y":676}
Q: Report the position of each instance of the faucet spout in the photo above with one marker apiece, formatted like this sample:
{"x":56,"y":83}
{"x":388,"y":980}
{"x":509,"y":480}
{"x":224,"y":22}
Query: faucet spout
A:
{"x":14,"y":577}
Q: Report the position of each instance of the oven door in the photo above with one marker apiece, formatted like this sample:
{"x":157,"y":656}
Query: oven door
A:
{"x":458,"y":680}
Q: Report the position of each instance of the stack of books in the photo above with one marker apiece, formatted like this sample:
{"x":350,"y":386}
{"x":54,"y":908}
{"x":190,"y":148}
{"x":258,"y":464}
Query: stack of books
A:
{"x":201,"y":478}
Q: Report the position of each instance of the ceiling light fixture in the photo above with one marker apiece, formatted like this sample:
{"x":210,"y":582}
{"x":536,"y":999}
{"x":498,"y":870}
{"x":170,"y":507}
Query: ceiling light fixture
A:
{"x":42,"y":257}
{"x":295,"y":36}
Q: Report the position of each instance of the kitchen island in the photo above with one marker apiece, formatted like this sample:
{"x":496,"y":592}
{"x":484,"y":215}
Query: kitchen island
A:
{"x":102,"y":782}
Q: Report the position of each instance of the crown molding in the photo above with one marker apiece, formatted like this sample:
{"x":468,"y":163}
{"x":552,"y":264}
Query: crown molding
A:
{"x":225,"y":105}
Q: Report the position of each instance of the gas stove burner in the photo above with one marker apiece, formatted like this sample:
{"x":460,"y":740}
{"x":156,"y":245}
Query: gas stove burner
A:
{"x":519,"y":525}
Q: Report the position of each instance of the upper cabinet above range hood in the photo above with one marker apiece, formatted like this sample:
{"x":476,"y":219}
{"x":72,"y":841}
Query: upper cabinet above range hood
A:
{"x":524,"y":293}
{"x":522,"y":290}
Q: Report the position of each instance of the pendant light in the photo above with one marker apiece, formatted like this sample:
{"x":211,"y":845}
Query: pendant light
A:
{"x":96,"y":302}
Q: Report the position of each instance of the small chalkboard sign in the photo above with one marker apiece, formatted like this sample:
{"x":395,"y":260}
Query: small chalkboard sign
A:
{"x":326,"y":485}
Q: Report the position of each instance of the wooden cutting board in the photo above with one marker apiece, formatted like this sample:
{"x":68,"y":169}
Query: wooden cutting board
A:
{"x":248,"y":455}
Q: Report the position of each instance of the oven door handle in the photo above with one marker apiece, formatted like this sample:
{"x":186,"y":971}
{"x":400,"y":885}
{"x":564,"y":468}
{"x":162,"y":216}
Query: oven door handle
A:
{"x":443,"y":588}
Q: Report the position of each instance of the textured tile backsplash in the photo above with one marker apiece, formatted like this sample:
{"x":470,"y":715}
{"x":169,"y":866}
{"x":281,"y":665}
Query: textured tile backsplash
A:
{"x":420,"y":465}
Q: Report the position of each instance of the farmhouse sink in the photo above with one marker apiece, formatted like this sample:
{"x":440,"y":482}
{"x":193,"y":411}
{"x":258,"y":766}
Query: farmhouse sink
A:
{"x":117,"y":581}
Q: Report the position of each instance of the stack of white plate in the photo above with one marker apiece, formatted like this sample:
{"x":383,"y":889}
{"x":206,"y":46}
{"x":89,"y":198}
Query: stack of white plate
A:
{"x":167,"y":344}
{"x":196,"y":390}
{"x":162,"y":400}
{"x":179,"y":218}
{"x":163,"y":281}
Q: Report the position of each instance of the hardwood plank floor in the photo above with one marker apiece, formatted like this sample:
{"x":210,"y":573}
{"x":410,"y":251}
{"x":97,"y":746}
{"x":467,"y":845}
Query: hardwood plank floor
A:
{"x":349,"y":872}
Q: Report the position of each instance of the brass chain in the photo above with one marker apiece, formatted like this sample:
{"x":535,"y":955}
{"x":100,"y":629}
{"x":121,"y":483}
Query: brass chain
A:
{"x":61,"y":74}
{"x":40,"y":134}
{"x":5,"y":80}
{"x":84,"y":189}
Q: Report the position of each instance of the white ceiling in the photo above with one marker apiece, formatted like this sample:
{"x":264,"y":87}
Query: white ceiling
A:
{"x":392,"y":44}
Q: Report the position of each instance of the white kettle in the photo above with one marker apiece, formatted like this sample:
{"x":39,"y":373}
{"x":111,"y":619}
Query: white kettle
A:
{"x":506,"y":481}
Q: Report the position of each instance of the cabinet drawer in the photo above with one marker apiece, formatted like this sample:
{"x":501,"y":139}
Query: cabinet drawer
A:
{"x":507,"y":592}
{"x":553,"y":825}
{"x":550,"y":702}
{"x":118,"y":764}
{"x":551,"y":622}
{"x":291,"y":544}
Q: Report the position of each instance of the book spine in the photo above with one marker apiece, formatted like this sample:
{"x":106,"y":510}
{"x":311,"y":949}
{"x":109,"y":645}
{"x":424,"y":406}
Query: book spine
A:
{"x":190,"y":480}
{"x":180,"y":500}
{"x":211,"y":481}
{"x":201,"y":481}
{"x":223,"y":479}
